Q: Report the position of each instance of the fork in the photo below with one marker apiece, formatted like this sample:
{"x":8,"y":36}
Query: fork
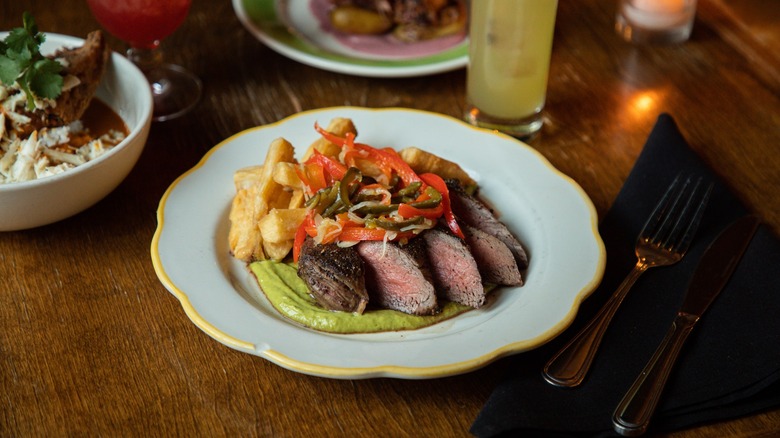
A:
{"x":662,"y":242}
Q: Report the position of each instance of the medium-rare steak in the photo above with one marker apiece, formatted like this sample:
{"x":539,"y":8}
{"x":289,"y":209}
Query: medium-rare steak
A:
{"x":455,"y":272}
{"x":334,"y":275}
{"x":473,"y":212}
{"x":495,"y":261}
{"x":398,"y":277}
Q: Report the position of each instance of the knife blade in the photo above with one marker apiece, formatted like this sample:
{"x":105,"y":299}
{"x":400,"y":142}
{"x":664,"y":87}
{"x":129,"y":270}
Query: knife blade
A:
{"x":633,"y":413}
{"x":717,"y":264}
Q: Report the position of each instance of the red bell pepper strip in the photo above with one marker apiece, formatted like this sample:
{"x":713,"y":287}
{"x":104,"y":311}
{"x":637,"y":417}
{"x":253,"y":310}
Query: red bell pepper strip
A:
{"x":300,"y":234}
{"x":334,"y":170}
{"x":312,"y":176}
{"x":352,"y":234}
{"x":406,"y":211}
{"x":386,"y":159}
{"x":437,"y":183}
{"x":392,"y":161}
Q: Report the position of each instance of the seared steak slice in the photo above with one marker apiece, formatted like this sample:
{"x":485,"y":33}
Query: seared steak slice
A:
{"x":455,"y":271}
{"x":334,"y":275}
{"x":473,"y":212}
{"x":398,"y":277}
{"x":495,"y":261}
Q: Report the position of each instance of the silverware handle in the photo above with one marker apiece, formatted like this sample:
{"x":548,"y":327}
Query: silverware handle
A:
{"x":570,"y":365}
{"x":633,"y":413}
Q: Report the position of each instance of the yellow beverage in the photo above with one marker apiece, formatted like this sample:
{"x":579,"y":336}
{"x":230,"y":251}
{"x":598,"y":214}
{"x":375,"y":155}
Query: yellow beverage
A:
{"x":509,"y":56}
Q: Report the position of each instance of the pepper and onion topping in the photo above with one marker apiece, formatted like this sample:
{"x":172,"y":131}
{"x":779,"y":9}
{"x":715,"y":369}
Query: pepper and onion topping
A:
{"x":368,"y":193}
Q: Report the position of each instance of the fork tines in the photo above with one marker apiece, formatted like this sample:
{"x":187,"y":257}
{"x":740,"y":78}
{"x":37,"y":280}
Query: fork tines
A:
{"x":681,"y":205}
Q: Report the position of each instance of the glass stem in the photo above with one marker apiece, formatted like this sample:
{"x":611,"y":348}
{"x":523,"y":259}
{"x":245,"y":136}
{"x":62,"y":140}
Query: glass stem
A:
{"x":148,"y":60}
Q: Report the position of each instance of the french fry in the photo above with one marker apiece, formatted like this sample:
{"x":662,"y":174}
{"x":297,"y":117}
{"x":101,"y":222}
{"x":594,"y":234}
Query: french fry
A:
{"x":339,"y":126}
{"x":281,"y":199}
{"x":279,"y":151}
{"x":269,"y":190}
{"x":424,"y":162}
{"x":243,"y":178}
{"x":297,"y":199}
{"x":278,"y":228}
{"x":244,"y":238}
{"x":280,"y":225}
{"x":285,"y":174}
{"x":368,"y":168}
{"x":277,"y":251}
{"x":257,"y":193}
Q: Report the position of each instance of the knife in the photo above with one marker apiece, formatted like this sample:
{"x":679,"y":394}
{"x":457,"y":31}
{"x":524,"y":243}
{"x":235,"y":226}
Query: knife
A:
{"x":633,"y":413}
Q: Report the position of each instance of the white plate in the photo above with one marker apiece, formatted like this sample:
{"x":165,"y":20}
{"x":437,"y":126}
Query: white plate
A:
{"x":548,"y":212}
{"x":291,"y":28}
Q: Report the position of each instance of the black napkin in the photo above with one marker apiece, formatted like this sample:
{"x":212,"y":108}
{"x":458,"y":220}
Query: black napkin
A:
{"x":730,"y":365}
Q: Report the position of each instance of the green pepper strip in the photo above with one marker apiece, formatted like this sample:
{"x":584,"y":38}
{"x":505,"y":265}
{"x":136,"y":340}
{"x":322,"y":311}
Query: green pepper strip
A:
{"x":410,"y":190}
{"x":324,"y":199}
{"x":393,"y":225}
{"x":349,"y":184}
{"x":337,"y":206}
{"x":376,"y":209}
{"x":433,"y":201}
{"x":314,"y":200}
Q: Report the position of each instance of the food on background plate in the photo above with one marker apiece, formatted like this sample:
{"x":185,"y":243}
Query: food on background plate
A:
{"x":407,"y":20}
{"x":42,"y":102}
{"x":369,"y":228}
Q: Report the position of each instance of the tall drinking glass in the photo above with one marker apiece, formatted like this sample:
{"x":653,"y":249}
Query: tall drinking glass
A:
{"x":143,"y":24}
{"x":509,"y":61}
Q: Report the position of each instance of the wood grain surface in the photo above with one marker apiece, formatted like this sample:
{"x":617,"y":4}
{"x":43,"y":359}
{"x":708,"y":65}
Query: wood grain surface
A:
{"x":92,"y":344}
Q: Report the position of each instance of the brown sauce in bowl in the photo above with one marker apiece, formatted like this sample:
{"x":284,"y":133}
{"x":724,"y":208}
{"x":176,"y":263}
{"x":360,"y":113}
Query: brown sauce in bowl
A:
{"x":99,"y":118}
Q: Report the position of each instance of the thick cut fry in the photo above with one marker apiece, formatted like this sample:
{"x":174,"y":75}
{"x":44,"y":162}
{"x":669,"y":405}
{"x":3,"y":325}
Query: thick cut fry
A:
{"x":339,"y":126}
{"x":370,"y":168}
{"x":248,"y":176}
{"x":297,"y":199}
{"x":281,"y":199}
{"x":285,"y":174}
{"x":277,"y":251}
{"x":425,"y":162}
{"x":280,"y":150}
{"x":280,"y":225}
{"x":244,"y":238}
{"x":252,"y":203}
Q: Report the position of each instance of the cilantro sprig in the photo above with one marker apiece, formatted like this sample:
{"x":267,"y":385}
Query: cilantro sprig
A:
{"x":21,"y":62}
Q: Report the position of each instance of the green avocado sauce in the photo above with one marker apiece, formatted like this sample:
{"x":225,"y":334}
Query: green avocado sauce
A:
{"x":290,"y":296}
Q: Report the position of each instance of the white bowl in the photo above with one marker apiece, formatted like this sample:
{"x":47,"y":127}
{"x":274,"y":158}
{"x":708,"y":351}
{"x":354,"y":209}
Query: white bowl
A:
{"x":43,"y":201}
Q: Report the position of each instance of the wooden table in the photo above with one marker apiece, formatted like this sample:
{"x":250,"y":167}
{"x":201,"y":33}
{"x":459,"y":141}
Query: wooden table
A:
{"x":91,"y":343}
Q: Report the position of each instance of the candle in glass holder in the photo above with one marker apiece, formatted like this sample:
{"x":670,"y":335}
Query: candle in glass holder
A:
{"x":655,"y":21}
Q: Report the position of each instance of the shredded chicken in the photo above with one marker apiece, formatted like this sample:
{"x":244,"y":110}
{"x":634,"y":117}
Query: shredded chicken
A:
{"x":47,"y":151}
{"x":51,"y":139}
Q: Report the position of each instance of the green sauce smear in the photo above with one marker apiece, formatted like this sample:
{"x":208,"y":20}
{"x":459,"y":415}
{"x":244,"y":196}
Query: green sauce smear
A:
{"x":289,"y":295}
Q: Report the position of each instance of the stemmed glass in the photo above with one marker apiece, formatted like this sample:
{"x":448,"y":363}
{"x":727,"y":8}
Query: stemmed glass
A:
{"x":143,"y":24}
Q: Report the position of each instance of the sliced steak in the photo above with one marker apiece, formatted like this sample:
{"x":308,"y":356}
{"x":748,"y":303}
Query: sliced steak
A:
{"x":474,"y":212}
{"x":495,"y":261}
{"x":455,"y":272}
{"x":398,"y":277}
{"x":334,"y":275}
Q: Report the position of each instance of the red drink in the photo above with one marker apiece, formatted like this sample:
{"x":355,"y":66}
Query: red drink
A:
{"x":140,"y":23}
